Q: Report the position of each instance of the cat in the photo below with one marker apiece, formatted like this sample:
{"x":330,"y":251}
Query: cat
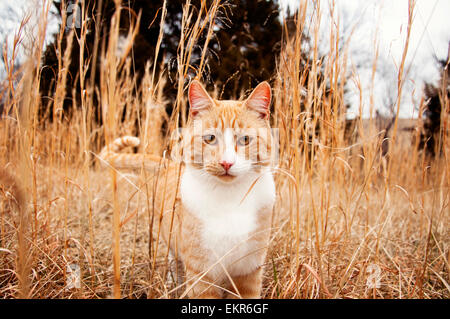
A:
{"x":216,"y":206}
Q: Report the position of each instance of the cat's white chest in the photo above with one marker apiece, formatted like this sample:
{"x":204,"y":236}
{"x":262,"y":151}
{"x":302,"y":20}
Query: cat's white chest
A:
{"x":228,"y":216}
{"x":229,"y":239}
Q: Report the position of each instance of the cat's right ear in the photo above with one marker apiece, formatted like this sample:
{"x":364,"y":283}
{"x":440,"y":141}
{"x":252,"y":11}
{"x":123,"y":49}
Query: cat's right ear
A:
{"x":199,"y":99}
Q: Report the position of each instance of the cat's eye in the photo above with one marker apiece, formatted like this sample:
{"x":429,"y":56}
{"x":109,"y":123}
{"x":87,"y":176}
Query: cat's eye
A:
{"x":244,"y":140}
{"x":210,"y":139}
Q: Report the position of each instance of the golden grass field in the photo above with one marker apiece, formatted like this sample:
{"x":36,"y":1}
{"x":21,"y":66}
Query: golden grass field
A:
{"x":348,"y":222}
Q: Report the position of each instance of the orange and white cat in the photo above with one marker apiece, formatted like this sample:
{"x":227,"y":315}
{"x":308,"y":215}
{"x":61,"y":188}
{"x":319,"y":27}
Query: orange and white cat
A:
{"x":216,"y":206}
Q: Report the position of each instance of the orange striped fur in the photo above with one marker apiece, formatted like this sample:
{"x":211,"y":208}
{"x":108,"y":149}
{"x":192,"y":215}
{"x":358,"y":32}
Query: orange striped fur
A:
{"x":110,"y":155}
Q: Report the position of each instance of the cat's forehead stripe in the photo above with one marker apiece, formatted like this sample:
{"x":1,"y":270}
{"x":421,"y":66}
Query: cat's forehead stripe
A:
{"x":233,"y":121}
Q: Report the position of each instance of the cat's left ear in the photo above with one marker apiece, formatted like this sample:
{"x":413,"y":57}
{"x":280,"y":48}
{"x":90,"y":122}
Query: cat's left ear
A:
{"x":260,"y":99}
{"x":199,"y":99}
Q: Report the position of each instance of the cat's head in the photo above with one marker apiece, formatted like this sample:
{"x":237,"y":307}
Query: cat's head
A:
{"x":228,"y":139}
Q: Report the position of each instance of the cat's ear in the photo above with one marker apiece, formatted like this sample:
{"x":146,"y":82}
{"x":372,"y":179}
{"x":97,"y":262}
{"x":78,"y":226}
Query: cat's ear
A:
{"x":199,"y":99}
{"x":260,"y":99}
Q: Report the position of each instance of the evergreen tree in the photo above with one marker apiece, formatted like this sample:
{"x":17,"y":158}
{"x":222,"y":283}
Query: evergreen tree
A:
{"x":246,"y":47}
{"x":242,"y":52}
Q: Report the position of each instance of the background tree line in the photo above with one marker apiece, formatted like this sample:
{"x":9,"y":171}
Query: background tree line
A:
{"x":243,"y":51}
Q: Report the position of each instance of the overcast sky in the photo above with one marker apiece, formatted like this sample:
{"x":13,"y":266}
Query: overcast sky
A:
{"x":430,"y":36}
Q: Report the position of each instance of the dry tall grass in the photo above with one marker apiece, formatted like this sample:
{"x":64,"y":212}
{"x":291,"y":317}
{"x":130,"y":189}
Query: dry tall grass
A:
{"x":348,"y":223}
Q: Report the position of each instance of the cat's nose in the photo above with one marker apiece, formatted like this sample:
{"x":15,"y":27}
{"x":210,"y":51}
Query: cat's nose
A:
{"x":226,"y":165}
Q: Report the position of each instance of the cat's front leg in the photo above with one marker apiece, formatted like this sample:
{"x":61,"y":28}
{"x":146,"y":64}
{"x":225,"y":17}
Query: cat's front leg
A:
{"x":248,"y":285}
